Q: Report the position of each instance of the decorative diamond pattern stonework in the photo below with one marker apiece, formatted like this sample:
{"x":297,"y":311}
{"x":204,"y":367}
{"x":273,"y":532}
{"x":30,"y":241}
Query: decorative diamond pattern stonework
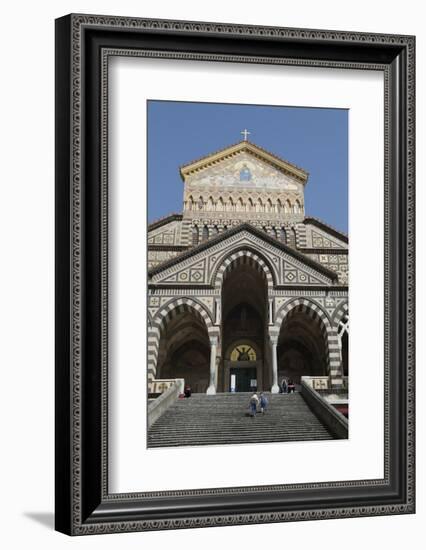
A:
{"x":201,"y":268}
{"x":322,"y":240}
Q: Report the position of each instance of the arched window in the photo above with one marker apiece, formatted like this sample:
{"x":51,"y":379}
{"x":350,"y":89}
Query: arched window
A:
{"x":205,"y":233}
{"x":250,"y":206}
{"x":231,"y":204}
{"x":283,"y":237}
{"x":200,"y":203}
{"x":259,"y":205}
{"x":190,"y":203}
{"x":291,"y":237}
{"x":245,"y":174}
{"x":210,"y":204}
{"x":269,"y":206}
{"x":287,"y":207}
{"x":219,"y":204}
{"x":278,"y":206}
{"x":296,"y":207}
{"x":195,"y":235}
{"x":240,"y":205}
{"x":215,"y":230}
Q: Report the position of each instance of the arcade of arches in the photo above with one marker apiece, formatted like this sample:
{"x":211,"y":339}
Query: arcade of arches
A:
{"x":247,"y":348}
{"x":243,"y":288}
{"x":184,"y":351}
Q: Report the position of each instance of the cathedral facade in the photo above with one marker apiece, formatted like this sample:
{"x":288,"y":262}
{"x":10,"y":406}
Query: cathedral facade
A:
{"x":243,"y":288}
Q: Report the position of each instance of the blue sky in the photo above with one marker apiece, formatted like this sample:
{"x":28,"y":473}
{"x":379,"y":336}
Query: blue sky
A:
{"x":314,"y":139}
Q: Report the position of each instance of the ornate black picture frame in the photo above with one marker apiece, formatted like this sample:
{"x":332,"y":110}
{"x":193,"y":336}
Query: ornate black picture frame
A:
{"x":83,"y":45}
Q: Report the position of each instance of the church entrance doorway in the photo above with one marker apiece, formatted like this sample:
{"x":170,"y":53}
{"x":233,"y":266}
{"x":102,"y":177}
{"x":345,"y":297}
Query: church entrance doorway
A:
{"x":244,"y":329}
{"x":243,"y":379}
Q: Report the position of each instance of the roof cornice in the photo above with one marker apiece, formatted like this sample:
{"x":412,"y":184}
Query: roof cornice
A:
{"x":174,"y":216}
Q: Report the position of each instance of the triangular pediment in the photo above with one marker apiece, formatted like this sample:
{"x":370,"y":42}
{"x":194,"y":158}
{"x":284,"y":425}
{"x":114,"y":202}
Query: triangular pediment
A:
{"x":259,"y":165}
{"x":321,"y":235}
{"x":201,"y":265}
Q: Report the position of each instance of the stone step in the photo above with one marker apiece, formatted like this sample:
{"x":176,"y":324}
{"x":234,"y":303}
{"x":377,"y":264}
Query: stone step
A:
{"x":223,"y":418}
{"x":178,"y":442}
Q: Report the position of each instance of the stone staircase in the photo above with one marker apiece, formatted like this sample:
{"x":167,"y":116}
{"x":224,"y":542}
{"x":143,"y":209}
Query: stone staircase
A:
{"x":224,"y":418}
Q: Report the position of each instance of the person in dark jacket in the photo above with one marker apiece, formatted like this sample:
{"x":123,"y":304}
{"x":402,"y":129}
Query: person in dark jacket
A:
{"x":187,"y":391}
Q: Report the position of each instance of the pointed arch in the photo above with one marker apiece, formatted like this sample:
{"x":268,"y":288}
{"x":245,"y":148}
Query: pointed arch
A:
{"x":190,"y":203}
{"x":287,"y":207}
{"x":205,"y":233}
{"x":296,"y":207}
{"x":195,"y":235}
{"x":167,"y":313}
{"x":304,"y":304}
{"x":178,"y":305}
{"x":340,"y":313}
{"x":319,"y":315}
{"x":291,"y":237}
{"x":247,"y":256}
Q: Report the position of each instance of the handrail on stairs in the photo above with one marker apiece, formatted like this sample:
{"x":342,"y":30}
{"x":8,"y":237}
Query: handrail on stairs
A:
{"x":158,"y":407}
{"x":336,"y":423}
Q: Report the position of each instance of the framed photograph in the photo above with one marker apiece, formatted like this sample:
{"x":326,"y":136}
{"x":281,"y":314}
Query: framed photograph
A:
{"x":227,"y":198}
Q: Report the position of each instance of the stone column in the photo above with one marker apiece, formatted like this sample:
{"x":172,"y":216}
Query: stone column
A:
{"x":218,"y":311}
{"x":153,"y":347}
{"x":271,"y":311}
{"x":275,"y":388}
{"x":211,"y":390}
{"x":334,"y":359}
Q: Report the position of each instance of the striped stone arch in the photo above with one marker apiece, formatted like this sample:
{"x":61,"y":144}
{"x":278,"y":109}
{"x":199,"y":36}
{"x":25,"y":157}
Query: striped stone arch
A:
{"x":164,"y":315}
{"x":149,"y":320}
{"x":179,"y":305}
{"x":341,"y":315}
{"x":309,"y":307}
{"x":244,"y":256}
{"x":328,"y":331}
